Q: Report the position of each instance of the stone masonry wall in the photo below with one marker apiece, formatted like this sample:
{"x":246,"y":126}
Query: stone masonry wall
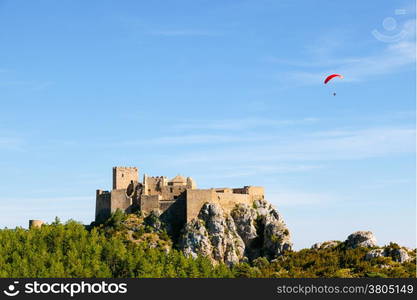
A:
{"x":102,"y":205}
{"x":197,"y":198}
{"x":149,"y":203}
{"x":122,"y":176}
{"x":119,"y":200}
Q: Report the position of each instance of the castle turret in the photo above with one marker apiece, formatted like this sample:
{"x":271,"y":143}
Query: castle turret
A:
{"x":145,"y":184}
{"x":35,"y":223}
{"x":191,"y":183}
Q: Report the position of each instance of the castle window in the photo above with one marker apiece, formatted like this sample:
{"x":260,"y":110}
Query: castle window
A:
{"x":172,"y":190}
{"x":123,"y":175}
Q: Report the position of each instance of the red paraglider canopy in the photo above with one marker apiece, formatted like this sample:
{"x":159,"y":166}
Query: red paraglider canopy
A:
{"x":330,"y":77}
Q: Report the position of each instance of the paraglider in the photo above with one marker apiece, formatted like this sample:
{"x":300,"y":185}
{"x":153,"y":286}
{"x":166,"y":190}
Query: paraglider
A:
{"x":330,"y":77}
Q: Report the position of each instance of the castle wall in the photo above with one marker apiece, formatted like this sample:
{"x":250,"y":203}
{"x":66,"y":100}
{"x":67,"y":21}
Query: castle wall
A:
{"x":122,"y":176}
{"x":119,"y":200}
{"x":173,"y":213}
{"x":102,"y":205}
{"x":149,"y":203}
{"x":223,"y":190}
{"x":195,"y":199}
{"x":228,"y":201}
{"x":154,"y":185}
{"x":256,"y":192}
{"x":165,"y":204}
{"x":171,"y":192}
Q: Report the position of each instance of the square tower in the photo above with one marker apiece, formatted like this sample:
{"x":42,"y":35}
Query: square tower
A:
{"x":122,"y":176}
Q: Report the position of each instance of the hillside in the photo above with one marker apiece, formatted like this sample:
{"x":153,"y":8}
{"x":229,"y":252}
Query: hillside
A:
{"x":140,"y":246}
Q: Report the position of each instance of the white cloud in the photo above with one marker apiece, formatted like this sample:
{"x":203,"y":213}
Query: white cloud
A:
{"x":241,"y":124}
{"x":317,"y":146}
{"x":220,"y":138}
{"x":389,"y":183}
{"x":31,"y":84}
{"x":248,"y":170}
{"x":393,"y":58}
{"x":194,"y":139}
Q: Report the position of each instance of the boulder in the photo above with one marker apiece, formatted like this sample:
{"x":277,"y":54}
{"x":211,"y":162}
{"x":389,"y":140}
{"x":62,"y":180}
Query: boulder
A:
{"x":325,"y":245}
{"x":361,"y":239}
{"x":398,"y":254}
{"x":374,"y":254}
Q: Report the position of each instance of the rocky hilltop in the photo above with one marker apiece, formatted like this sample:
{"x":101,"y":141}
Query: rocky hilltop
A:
{"x":367,"y":240}
{"x":243,"y":234}
{"x":255,"y":239}
{"x":240,"y":235}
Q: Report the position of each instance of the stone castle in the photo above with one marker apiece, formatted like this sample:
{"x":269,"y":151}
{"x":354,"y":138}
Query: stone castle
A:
{"x":177,"y":198}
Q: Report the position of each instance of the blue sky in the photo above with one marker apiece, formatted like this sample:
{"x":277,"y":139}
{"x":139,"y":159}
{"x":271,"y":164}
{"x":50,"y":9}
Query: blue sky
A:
{"x":228,"y":92}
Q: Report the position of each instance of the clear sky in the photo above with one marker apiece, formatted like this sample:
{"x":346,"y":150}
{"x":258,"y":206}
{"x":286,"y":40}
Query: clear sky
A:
{"x":228,"y":92}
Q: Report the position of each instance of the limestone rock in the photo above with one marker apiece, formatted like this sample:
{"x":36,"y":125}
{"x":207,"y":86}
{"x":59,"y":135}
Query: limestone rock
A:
{"x":195,"y":239}
{"x":399,"y":255}
{"x":361,"y":239}
{"x":276,"y":238}
{"x":393,"y":250}
{"x":374,"y":254}
{"x":244,"y":217}
{"x":213,"y":234}
{"x":246,"y":233}
{"x":325,"y":245}
{"x":228,"y":246}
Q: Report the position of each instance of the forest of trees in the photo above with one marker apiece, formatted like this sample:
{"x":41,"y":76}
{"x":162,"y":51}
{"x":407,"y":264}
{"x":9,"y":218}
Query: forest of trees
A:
{"x":72,"y":250}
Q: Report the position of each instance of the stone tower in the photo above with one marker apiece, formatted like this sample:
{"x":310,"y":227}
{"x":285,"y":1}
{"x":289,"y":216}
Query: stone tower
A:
{"x":123,"y":176}
{"x":35,"y":223}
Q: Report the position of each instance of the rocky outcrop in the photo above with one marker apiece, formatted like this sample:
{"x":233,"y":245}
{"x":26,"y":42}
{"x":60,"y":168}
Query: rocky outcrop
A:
{"x":275,"y":234}
{"x":245,"y":233}
{"x":367,"y":239}
{"x":374,"y":254}
{"x":397,"y":253}
{"x":361,"y":239}
{"x":325,"y":245}
{"x":213,"y":234}
{"x":139,"y":228}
